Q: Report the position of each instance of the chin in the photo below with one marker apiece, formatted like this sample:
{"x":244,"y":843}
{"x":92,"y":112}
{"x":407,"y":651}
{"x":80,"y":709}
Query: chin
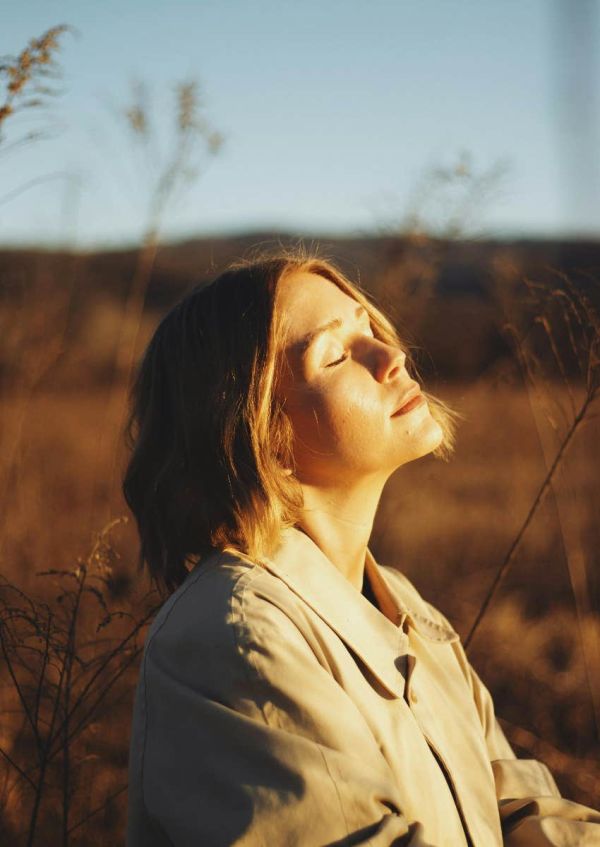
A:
{"x":429,"y":437}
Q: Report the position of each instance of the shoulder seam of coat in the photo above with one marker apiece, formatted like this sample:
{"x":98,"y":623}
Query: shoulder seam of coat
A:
{"x":238,"y":592}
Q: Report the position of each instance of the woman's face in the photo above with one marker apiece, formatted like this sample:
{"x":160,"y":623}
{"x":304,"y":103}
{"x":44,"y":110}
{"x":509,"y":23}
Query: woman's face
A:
{"x":341,"y":389}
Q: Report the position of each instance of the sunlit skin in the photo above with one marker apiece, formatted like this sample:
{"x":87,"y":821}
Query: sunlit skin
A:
{"x":340,"y":395}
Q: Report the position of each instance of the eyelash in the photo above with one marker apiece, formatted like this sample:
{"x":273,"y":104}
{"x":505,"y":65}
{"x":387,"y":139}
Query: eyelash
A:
{"x":338,"y":361}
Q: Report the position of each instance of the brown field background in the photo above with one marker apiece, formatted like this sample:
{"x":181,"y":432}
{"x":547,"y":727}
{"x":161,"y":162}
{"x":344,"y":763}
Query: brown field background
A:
{"x":490,"y":335}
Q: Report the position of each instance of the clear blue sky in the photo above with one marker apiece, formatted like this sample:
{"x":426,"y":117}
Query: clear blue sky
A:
{"x":332,"y":111}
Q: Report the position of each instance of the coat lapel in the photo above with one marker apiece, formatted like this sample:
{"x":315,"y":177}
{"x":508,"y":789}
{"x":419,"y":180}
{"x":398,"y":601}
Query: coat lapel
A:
{"x":379,"y":642}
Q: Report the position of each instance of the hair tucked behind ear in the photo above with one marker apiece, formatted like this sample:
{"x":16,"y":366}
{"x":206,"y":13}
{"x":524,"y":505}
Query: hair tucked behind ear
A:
{"x":211,"y":443}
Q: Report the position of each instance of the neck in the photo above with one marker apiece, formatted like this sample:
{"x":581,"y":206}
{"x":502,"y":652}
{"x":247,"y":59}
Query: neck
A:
{"x":340,"y":521}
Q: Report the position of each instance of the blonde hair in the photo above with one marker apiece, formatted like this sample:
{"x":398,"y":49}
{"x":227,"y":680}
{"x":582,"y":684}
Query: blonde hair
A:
{"x":211,"y":441}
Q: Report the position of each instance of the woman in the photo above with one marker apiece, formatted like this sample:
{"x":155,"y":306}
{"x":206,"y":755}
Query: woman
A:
{"x":293,"y":691}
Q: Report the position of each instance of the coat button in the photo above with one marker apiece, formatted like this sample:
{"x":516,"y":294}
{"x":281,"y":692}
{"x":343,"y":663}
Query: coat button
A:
{"x":413,"y":697}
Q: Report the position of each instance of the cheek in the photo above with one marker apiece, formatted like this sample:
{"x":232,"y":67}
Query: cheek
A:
{"x":346,"y":416}
{"x":351,"y":418}
{"x":320,"y":415}
{"x":360,"y":414}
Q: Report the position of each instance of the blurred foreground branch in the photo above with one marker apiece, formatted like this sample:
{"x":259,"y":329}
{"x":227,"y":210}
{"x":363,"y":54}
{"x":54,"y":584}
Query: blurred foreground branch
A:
{"x":565,"y":318}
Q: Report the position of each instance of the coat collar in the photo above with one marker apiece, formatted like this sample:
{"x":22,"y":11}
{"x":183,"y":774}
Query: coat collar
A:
{"x":379,"y":641}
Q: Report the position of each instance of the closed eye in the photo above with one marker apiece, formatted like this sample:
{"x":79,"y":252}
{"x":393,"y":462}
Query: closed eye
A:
{"x":339,"y":361}
{"x":345,"y":355}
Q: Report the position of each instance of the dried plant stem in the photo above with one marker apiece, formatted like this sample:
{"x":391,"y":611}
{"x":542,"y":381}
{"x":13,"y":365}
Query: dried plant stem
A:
{"x":571,"y":544}
{"x":84,"y":721}
{"x":85,"y":693}
{"x":69,"y":656}
{"x":33,"y":183}
{"x":508,"y":559}
{"x":116,"y":406}
{"x":175,"y":174}
{"x":18,"y":689}
{"x":44,"y":759}
{"x":68,"y":689}
{"x":98,"y":809}
{"x":19,"y":770}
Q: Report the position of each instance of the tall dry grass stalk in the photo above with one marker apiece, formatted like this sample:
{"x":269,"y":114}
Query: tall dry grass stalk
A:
{"x":66,"y":658}
{"x":175,"y":173}
{"x":27,"y":84}
{"x":446,"y":203}
{"x":560,"y":324}
{"x":26,"y":76}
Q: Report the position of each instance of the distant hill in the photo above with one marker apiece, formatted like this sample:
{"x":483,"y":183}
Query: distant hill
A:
{"x":179,"y":264}
{"x":444,"y":295}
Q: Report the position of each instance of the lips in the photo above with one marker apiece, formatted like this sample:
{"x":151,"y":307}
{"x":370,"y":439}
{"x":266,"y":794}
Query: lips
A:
{"x":411,"y":399}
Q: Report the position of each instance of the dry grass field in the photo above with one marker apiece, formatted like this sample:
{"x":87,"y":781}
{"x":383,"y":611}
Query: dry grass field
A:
{"x":74,"y":605}
{"x":509,"y":335}
{"x":446,"y":524}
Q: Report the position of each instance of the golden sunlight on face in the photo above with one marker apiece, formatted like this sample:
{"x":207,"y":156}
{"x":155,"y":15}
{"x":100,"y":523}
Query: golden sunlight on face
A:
{"x":342,"y":388}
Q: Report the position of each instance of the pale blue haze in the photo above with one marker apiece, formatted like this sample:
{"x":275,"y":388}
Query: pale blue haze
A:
{"x":331,"y":112}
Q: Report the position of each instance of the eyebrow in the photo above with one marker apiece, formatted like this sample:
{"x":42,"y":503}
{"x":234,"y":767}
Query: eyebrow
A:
{"x":311,"y":337}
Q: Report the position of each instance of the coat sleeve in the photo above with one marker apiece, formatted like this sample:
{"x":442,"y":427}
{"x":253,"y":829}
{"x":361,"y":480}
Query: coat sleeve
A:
{"x":249,"y":740}
{"x":532,"y":811}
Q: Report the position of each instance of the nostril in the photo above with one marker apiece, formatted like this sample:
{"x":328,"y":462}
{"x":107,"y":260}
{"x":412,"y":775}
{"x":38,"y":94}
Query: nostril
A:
{"x":389,"y":361}
{"x":394,"y":370}
{"x":398,"y":358}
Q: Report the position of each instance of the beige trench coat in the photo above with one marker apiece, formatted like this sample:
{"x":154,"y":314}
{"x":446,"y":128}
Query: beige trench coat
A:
{"x":276,"y":706}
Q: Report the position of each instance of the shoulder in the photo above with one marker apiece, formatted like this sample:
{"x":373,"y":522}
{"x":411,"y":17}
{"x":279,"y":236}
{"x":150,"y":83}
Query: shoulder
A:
{"x":223,"y":594}
{"x":229,"y":617}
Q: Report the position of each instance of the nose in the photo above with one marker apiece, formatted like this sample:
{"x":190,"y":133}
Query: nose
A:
{"x":390,"y":362}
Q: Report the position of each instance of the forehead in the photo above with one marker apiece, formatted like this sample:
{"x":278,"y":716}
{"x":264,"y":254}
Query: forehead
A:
{"x":307,"y":300}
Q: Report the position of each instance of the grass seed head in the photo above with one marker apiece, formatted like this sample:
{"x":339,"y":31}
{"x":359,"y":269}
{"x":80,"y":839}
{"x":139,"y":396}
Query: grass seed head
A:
{"x":34,"y":63}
